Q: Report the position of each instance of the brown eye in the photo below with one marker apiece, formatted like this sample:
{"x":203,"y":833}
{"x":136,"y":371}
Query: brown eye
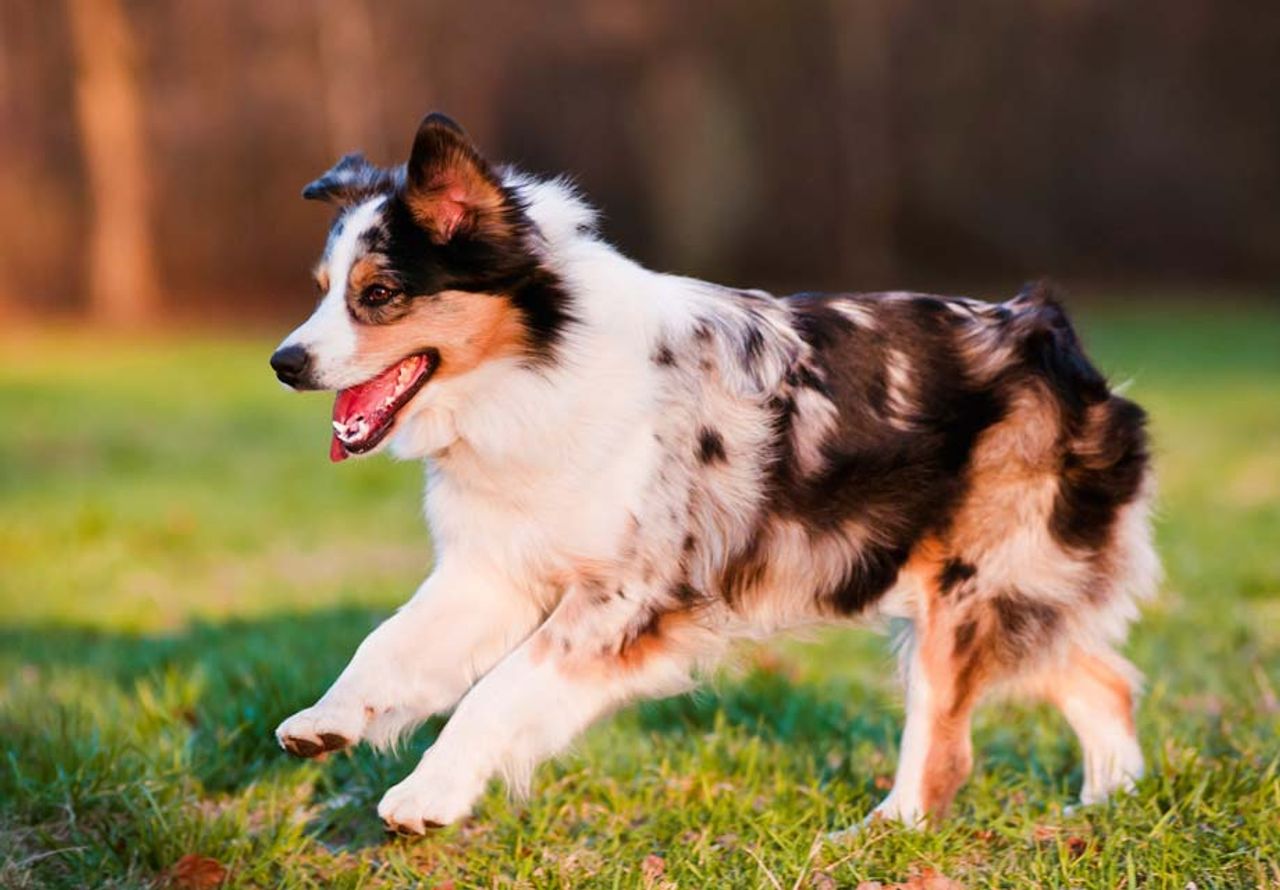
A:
{"x":376,"y":295}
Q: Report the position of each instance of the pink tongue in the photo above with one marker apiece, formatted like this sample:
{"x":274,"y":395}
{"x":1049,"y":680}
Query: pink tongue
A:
{"x":366,"y":399}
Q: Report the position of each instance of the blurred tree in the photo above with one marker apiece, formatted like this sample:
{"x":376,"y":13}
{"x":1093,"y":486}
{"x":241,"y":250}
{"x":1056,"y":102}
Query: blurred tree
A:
{"x":862,"y":126}
{"x":830,"y":144}
{"x":123,"y":285}
{"x":349,"y":66}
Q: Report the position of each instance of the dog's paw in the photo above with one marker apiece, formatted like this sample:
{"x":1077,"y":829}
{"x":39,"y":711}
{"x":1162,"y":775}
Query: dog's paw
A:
{"x":319,"y":730}
{"x":891,"y":811}
{"x":897,"y":809}
{"x":421,"y":802}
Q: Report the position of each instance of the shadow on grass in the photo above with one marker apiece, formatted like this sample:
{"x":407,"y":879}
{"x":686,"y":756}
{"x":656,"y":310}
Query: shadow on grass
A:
{"x":219,"y":690}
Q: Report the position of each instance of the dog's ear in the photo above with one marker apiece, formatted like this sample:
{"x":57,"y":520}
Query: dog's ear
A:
{"x":449,"y":188}
{"x":351,"y":180}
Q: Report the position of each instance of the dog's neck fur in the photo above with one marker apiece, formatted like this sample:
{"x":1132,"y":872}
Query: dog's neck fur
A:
{"x":522,"y":439}
{"x":506,"y":414}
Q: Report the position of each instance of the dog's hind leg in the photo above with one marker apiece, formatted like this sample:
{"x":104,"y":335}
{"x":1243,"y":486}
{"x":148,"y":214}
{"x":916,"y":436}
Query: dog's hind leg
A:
{"x":945,"y":671}
{"x":963,"y":640}
{"x":417,"y":663}
{"x":1095,"y":692}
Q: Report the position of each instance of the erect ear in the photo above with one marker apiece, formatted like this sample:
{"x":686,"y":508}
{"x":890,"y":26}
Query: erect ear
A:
{"x":351,"y":180}
{"x":450,"y":189}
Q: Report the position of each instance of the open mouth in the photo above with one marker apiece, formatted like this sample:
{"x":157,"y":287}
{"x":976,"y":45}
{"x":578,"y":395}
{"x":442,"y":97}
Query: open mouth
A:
{"x":363,"y":414}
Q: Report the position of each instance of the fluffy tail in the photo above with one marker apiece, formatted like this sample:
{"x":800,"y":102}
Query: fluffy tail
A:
{"x":1052,"y":348}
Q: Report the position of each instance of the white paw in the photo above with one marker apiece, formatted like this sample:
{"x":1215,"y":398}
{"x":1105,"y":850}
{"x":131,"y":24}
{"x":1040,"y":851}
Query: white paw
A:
{"x":897,"y":809}
{"x":319,"y":729}
{"x":427,"y":799}
{"x":891,"y":809}
{"x":1113,"y":771}
{"x":1104,"y":790}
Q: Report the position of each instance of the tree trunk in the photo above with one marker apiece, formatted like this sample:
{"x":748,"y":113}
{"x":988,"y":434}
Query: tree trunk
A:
{"x":349,"y":69}
{"x":123,"y":285}
{"x":863,"y":127}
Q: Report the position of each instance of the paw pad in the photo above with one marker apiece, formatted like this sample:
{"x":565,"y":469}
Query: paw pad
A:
{"x":299,"y":746}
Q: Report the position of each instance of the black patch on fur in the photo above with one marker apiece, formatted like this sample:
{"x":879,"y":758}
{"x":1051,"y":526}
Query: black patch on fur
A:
{"x":804,"y":377}
{"x":752,"y":343}
{"x":684,"y":592}
{"x":711,"y":447}
{"x":744,"y":571}
{"x":1024,"y":621}
{"x":928,"y":305}
{"x":663,"y":356}
{"x":689,"y":544}
{"x":954,"y":572}
{"x":596,"y":590}
{"x":545,"y":306}
{"x":872,"y":574}
{"x":374,"y":239}
{"x":782,"y":411}
{"x":900,"y":484}
{"x":1099,"y":478}
{"x":966,"y":633}
{"x":820,"y":325}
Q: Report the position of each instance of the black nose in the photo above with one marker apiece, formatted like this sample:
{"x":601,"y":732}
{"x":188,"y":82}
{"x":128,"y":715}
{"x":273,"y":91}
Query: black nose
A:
{"x":291,"y":365}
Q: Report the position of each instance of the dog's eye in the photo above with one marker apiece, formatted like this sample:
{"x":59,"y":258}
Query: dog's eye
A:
{"x":376,"y":295}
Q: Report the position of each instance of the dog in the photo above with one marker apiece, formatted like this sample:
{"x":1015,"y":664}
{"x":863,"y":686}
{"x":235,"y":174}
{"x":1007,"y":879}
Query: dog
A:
{"x":628,"y":470}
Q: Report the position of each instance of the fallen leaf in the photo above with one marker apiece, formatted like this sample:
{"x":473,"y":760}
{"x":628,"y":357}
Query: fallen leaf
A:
{"x":726,"y":842}
{"x":931,"y":880}
{"x":927,"y":879}
{"x":653,"y":867}
{"x":820,"y":880}
{"x":1043,"y":833}
{"x":196,"y":872}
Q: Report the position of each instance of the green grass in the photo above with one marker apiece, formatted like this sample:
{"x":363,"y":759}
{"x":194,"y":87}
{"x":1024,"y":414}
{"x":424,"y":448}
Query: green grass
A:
{"x":180,"y":568}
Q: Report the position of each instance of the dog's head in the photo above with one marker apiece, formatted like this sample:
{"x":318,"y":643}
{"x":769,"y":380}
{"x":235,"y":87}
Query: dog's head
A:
{"x":430,"y":271}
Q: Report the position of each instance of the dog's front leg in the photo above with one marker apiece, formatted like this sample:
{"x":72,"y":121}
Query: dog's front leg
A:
{"x":417,"y":663}
{"x":588,"y":658}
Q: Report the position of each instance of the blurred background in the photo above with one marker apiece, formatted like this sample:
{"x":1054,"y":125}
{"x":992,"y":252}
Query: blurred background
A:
{"x":180,"y":566}
{"x":151,"y":154}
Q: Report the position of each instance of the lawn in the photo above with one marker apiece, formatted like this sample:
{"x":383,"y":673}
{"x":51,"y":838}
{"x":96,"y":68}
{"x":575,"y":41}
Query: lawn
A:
{"x":181,"y":568}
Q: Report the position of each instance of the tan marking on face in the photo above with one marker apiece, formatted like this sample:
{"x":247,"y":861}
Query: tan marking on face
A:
{"x":468,"y":329}
{"x":366,"y":271}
